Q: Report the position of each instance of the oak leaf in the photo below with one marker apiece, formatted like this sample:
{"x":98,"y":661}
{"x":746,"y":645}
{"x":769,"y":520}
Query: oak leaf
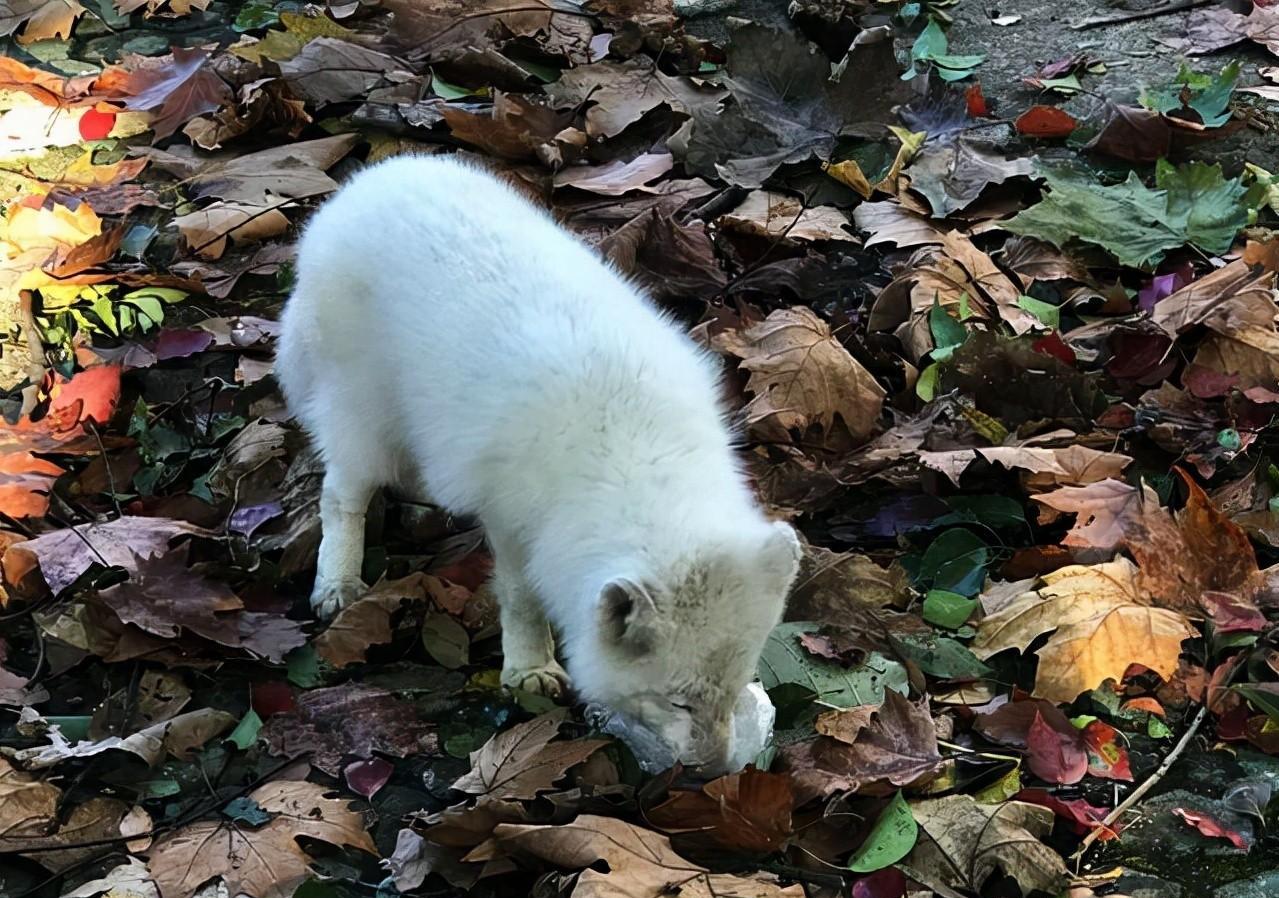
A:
{"x":262,"y":863}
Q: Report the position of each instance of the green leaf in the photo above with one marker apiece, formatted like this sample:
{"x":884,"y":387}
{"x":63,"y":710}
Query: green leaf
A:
{"x":955,"y":561}
{"x":926,"y":386}
{"x":254,"y":15}
{"x":940,"y":656}
{"x":1002,"y":789}
{"x":1046,"y":312}
{"x":891,"y":838}
{"x":161,"y":294}
{"x":931,"y":42}
{"x":992,"y":511}
{"x":1211,"y":206}
{"x":246,"y":732}
{"x":303,"y":665}
{"x":1207,"y":95}
{"x":449,"y":91}
{"x":947,"y":332}
{"x":1194,"y":204}
{"x":246,"y":810}
{"x":784,"y":661}
{"x":1156,"y":728}
{"x":947,"y":609}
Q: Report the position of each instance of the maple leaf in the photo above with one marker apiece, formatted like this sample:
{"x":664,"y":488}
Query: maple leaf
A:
{"x":622,"y":92}
{"x":39,"y":19}
{"x":1065,"y":465}
{"x":64,"y":555}
{"x":897,"y":749}
{"x":263,"y":863}
{"x":523,"y":761}
{"x":640,"y":863}
{"x":961,"y":843}
{"x":801,"y":375}
{"x":176,"y":90}
{"x":1101,"y":508}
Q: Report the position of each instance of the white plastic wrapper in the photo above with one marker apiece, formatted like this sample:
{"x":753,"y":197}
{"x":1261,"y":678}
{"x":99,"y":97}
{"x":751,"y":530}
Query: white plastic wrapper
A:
{"x":753,"y":719}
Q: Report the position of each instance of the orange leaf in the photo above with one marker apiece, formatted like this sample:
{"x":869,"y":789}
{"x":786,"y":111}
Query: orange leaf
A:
{"x":1045,"y":121}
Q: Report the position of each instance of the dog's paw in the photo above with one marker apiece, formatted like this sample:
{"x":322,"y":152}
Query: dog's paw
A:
{"x":327,"y":599}
{"x":549,"y":680}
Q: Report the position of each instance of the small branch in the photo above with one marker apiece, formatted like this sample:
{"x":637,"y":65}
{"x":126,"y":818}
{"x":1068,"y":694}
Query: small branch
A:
{"x":1138,"y":793}
{"x":1166,"y":9}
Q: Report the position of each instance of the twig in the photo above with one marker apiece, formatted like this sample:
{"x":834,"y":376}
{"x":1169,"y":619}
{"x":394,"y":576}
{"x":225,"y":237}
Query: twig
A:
{"x":1137,"y":794}
{"x":1166,"y":9}
{"x":106,"y":462}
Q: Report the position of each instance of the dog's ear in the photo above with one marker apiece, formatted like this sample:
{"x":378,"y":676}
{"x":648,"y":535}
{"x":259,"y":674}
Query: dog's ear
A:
{"x":628,"y":615}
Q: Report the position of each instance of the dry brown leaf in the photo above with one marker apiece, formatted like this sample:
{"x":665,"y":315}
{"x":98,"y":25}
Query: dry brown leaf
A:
{"x":1082,"y":656}
{"x":1101,"y":507}
{"x":640,"y":863}
{"x":961,"y":843}
{"x":131,"y":879}
{"x":621,"y":92}
{"x":176,"y":7}
{"x":516,"y":127}
{"x":746,"y":812}
{"x":207,"y":230}
{"x":262,"y":863}
{"x":801,"y":376}
{"x":39,"y":19}
{"x":523,"y":761}
{"x":65,"y":555}
{"x":1073,"y":465}
{"x":845,"y":724}
{"x":891,"y":222}
{"x":781,"y":217}
{"x":95,"y":820}
{"x":367,"y":620}
{"x":898,"y":748}
{"x":175,"y":737}
{"x":175,"y":89}
{"x":28,"y":807}
{"x":617,"y":177}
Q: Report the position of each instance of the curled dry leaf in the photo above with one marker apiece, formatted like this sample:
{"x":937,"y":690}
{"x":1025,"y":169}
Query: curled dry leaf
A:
{"x":176,"y":737}
{"x":367,"y":621}
{"x":206,"y":231}
{"x":640,"y":863}
{"x":781,"y":217}
{"x":961,"y":843}
{"x":1101,"y":507}
{"x":801,"y":376}
{"x":1064,"y":465}
{"x":263,"y":863}
{"x":523,"y":761}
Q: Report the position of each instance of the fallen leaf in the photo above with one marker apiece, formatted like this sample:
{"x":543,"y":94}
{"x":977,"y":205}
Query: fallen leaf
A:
{"x":522,"y":761}
{"x":328,"y":70}
{"x":39,"y":19}
{"x":893,"y":223}
{"x":802,"y":376}
{"x":617,"y":177}
{"x":1045,"y":121}
{"x":640,"y":863}
{"x":175,"y":737}
{"x":1054,"y":756}
{"x":1101,"y":508}
{"x":66,"y":554}
{"x":1065,"y":465}
{"x":1212,"y":827}
{"x":747,"y":812}
{"x":961,"y":843}
{"x":206,"y":231}
{"x":334,"y":723}
{"x":367,"y":620}
{"x":951,"y":173}
{"x":898,"y":748}
{"x":622,"y":92}
{"x":262,"y":863}
{"x":845,"y":724}
{"x":781,"y":217}
{"x":131,"y":879}
{"x":176,"y":89}
{"x":28,"y":806}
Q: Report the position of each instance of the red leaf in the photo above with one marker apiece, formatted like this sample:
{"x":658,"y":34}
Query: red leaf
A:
{"x":1145,"y":703}
{"x":1045,"y":121}
{"x":1053,"y":755}
{"x":1079,"y":812}
{"x":886,"y":883}
{"x":1053,"y":345}
{"x":1211,"y":827}
{"x":90,"y":395}
{"x":1106,"y":757}
{"x":1232,"y":613}
{"x":95,"y":125}
{"x":366,"y":777}
{"x":273,"y":697}
{"x":976,"y":100}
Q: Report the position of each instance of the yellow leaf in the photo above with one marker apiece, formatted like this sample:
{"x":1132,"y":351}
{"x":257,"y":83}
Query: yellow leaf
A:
{"x":1082,"y":656}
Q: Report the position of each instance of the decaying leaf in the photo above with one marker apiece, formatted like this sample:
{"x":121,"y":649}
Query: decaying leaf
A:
{"x":640,"y":863}
{"x":263,"y":863}
{"x":523,"y":761}
{"x":747,"y":812}
{"x":176,"y":737}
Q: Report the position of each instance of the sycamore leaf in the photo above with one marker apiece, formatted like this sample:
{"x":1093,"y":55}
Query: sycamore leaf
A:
{"x":801,"y":376}
{"x":640,"y":863}
{"x":43,"y":19}
{"x":1101,"y":509}
{"x":263,"y":863}
{"x":961,"y":843}
{"x":1211,"y":207}
{"x":523,"y":761}
{"x":747,"y":812}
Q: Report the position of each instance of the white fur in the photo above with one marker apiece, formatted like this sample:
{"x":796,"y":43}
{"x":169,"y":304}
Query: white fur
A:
{"x":447,"y":336}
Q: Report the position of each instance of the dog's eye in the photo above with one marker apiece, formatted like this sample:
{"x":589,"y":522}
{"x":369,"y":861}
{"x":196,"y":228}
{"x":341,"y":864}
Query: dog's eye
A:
{"x":682,"y":707}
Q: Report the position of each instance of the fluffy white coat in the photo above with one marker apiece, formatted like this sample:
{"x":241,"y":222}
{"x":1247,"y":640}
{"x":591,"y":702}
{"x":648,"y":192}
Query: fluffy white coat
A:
{"x":446,"y":336}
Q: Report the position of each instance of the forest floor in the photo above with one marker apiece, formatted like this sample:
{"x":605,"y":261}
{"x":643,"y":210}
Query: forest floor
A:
{"x":1003,"y":333}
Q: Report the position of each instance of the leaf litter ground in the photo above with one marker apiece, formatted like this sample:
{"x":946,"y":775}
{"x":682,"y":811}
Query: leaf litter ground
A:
{"x":1003,"y":335}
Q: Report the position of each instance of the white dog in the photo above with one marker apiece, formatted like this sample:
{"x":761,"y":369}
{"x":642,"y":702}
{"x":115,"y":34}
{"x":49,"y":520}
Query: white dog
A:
{"x":446,"y":336}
